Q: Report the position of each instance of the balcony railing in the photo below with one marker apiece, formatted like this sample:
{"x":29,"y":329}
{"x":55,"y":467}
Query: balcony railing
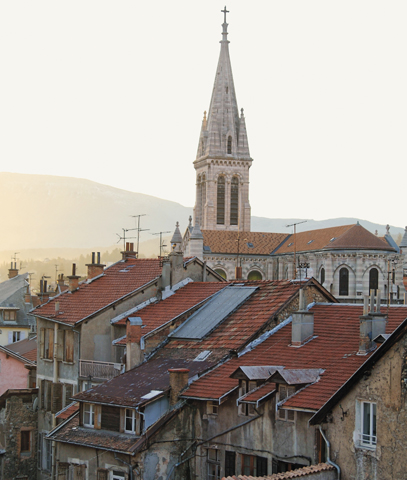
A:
{"x":99,"y":370}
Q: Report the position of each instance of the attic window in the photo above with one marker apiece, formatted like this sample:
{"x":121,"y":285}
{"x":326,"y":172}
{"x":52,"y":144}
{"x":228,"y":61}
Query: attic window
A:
{"x":250,"y":245}
{"x":290,"y":244}
{"x":310,"y":242}
{"x":202,"y":356}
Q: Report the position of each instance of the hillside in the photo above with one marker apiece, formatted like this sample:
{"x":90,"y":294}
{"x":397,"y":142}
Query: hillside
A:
{"x":49,"y":212}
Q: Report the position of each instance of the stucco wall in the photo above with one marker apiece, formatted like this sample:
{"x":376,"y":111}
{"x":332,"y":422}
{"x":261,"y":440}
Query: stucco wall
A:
{"x":385,"y":386}
{"x":13,"y":374}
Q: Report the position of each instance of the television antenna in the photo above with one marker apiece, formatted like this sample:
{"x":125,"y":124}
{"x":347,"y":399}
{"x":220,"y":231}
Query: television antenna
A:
{"x":295,"y":244}
{"x":125,"y":230}
{"x":139,"y":229}
{"x":161,"y":241}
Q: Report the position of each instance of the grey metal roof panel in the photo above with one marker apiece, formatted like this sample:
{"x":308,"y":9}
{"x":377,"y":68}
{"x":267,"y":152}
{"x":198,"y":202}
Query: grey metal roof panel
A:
{"x":255,"y":373}
{"x":297,"y":376}
{"x":210,"y":315}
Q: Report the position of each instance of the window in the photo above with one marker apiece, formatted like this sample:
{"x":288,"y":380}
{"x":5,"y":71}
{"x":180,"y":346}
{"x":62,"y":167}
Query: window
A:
{"x":9,"y":315}
{"x":286,"y":391}
{"x":220,"y":213}
{"x":118,"y":475}
{"x":47,"y":343}
{"x":16,"y":336}
{"x":367,"y":431}
{"x":246,"y":386}
{"x":234,"y":201}
{"x":254,"y":275}
{"x":212,"y":408}
{"x":25,"y":442}
{"x":44,"y":452}
{"x":254,"y":466}
{"x":344,"y":281}
{"x":213,"y":464}
{"x":130,"y":422}
{"x":230,"y":463}
{"x":373,"y":280}
{"x":322,"y":276}
{"x":68,"y":345}
{"x":221,"y":272}
{"x":88,"y":415}
{"x":229,"y":145}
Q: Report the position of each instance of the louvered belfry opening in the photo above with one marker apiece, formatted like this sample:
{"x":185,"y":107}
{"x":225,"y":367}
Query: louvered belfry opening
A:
{"x":220,"y":213}
{"x":234,"y":201}
{"x":203,"y":199}
{"x":229,"y":145}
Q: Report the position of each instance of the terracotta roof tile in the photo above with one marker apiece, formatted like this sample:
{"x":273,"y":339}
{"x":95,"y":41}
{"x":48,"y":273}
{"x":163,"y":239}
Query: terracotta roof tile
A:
{"x":27,"y":348}
{"x":299,"y":472}
{"x":68,"y":411}
{"x":227,"y":242}
{"x":118,"y":281}
{"x":157,"y":314}
{"x":334,"y":348}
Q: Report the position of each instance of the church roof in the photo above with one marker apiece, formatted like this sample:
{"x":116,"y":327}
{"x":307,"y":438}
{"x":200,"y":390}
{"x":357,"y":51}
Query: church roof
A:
{"x":403,"y":242}
{"x":247,"y":243}
{"x":223,"y":119}
{"x":348,"y":237}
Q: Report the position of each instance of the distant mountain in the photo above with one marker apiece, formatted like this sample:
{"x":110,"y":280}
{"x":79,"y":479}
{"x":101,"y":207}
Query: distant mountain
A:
{"x":43,"y":211}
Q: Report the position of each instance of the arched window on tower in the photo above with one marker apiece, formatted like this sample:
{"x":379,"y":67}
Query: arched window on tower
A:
{"x":229,"y":145}
{"x":322,"y":276}
{"x":220,"y":199}
{"x":373,"y":280}
{"x":344,"y":281}
{"x":234,"y":201}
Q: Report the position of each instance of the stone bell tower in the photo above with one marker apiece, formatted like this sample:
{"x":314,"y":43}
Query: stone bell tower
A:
{"x":223,"y":159}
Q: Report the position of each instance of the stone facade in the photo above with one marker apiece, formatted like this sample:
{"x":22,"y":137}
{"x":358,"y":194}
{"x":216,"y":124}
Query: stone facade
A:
{"x":18,"y":434}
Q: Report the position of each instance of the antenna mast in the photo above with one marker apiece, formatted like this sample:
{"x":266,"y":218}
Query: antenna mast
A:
{"x":139,"y":230}
{"x":161,"y":241}
{"x":295,"y":244}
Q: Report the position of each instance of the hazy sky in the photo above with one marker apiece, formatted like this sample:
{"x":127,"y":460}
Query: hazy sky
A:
{"x":115,"y":92}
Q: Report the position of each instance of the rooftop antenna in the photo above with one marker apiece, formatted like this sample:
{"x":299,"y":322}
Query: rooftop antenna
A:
{"x":295,"y":244}
{"x":15,"y":260}
{"x":124,"y":236}
{"x":139,"y":230}
{"x":30,"y":274}
{"x":161,"y":241}
{"x":56,"y":273}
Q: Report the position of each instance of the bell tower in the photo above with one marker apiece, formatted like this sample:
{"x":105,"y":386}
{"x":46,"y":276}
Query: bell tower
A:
{"x":223,"y":159}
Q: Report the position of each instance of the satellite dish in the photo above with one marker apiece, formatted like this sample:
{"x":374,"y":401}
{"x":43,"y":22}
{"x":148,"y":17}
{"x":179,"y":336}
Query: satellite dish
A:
{"x":35,"y":404}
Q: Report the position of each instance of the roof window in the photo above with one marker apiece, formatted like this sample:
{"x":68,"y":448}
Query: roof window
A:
{"x":250,"y":245}
{"x":290,"y":244}
{"x":332,"y":239}
{"x":310,"y":242}
{"x":202,"y":356}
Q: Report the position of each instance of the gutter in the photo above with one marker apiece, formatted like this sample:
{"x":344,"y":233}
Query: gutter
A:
{"x":328,"y":453}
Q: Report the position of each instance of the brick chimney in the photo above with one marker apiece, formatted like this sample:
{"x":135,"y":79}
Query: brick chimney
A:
{"x":365,"y":329}
{"x":378,"y":318}
{"x":134,"y":353}
{"x":95,"y":268}
{"x":61,"y":280}
{"x":129,"y":252}
{"x":302,"y":327}
{"x":44,"y":293}
{"x":27,"y":295}
{"x":178,"y":381}
{"x":13,"y":270}
{"x":73,"y":279}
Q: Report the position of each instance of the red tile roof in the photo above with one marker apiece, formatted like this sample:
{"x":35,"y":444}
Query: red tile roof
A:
{"x":157,"y":314}
{"x":348,"y":237}
{"x":297,"y":473}
{"x":334,"y":349}
{"x":27,"y":348}
{"x":118,"y":281}
{"x":68,"y":411}
{"x":263,"y":243}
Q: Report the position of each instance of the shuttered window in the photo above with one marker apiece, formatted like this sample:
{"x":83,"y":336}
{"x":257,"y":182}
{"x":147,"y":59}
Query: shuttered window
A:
{"x":56,"y":394}
{"x":234,"y":201}
{"x":220,"y":213}
{"x":110,"y":418}
{"x":68,"y":345}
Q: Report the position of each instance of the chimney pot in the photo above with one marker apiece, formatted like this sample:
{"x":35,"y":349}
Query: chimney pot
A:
{"x":134,"y":354}
{"x":93,"y":257}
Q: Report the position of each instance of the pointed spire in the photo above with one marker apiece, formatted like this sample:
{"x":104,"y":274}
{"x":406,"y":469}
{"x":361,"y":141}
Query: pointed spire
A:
{"x":177,"y":237}
{"x":220,"y":132}
{"x":403,"y":242}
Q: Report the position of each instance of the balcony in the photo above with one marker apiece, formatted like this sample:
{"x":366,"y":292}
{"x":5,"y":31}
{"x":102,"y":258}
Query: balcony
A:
{"x":99,"y":370}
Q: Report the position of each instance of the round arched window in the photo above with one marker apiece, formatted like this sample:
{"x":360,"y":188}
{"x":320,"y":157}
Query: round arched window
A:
{"x":221,"y":272}
{"x":255,"y":275}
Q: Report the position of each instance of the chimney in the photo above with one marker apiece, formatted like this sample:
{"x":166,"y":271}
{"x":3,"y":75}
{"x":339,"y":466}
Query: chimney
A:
{"x":238,"y":273}
{"x":61,"y":280}
{"x":166,"y":274}
{"x":27,"y":295}
{"x":176,"y":267}
{"x":134,"y":354}
{"x":365,"y":329}
{"x":13,"y":270}
{"x":302,"y":326}
{"x":178,"y":381}
{"x":44,"y":294}
{"x":95,"y":268}
{"x":73,"y":279}
{"x":378,"y":319}
{"x":129,"y":251}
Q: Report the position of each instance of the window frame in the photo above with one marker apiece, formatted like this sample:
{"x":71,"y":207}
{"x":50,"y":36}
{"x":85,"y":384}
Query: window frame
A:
{"x":367,"y":437}
{"x":133,"y":419}
{"x":213,"y":463}
{"x":16,"y":336}
{"x":91,"y":413}
{"x":212,"y":407}
{"x":343,"y":282}
{"x":25,"y":437}
{"x":284,"y":392}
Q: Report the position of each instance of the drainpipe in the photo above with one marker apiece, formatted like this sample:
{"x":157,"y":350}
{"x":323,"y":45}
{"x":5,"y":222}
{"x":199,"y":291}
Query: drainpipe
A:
{"x":128,"y":464}
{"x":55,"y":380}
{"x":328,"y":453}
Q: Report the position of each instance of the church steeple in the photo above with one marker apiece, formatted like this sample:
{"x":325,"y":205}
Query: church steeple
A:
{"x":223,"y":157}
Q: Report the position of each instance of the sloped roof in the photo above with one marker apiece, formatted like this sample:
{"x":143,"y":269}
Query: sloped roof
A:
{"x":227,"y":242}
{"x":347,"y":237}
{"x":118,"y":281}
{"x":11,"y":286}
{"x":27,"y":348}
{"x":297,"y":473}
{"x":334,"y":349}
{"x":159,"y":313}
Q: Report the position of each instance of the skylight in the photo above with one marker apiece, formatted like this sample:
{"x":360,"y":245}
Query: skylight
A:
{"x":310,"y":242}
{"x":290,"y":244}
{"x":250,"y":245}
{"x":332,"y":239}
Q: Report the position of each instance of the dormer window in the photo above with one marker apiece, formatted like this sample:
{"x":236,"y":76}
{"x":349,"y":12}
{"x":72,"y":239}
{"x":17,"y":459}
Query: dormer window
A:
{"x":9,"y":315}
{"x":286,"y":391}
{"x":229,"y":145}
{"x":246,"y":386}
{"x":89,"y":415}
{"x":130,"y":424}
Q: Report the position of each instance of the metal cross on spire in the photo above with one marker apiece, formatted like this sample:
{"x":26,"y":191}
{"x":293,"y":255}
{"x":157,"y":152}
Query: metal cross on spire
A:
{"x":224,"y":11}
